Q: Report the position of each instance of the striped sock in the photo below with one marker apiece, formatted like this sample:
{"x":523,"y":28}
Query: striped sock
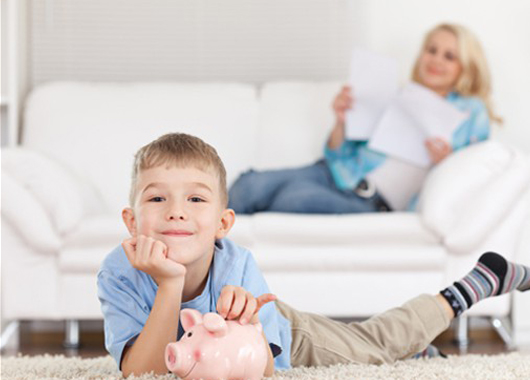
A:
{"x":493,"y":275}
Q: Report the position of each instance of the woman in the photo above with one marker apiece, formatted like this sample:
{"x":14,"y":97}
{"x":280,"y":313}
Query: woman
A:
{"x":354,"y":178}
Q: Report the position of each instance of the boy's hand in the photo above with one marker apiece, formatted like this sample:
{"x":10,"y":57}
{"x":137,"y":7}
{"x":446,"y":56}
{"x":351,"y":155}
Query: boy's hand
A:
{"x":236,"y":303}
{"x":150,"y":256}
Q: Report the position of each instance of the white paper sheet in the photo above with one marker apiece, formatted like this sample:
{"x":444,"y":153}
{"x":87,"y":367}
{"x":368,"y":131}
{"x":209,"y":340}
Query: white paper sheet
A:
{"x":374,"y":80}
{"x":416,"y":114}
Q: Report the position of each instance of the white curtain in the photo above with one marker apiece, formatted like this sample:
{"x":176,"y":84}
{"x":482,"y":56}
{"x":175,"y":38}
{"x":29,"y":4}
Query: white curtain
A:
{"x":199,"y":40}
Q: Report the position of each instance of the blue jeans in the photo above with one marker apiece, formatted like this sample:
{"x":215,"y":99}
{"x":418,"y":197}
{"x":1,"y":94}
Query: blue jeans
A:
{"x":309,"y":189}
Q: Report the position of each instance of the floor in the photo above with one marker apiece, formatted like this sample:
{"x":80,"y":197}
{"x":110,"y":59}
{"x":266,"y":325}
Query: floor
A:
{"x":482,"y":341}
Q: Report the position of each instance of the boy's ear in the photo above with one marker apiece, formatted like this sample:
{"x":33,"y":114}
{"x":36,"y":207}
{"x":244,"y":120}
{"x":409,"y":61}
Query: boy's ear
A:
{"x":228,"y":218}
{"x":130,"y":221}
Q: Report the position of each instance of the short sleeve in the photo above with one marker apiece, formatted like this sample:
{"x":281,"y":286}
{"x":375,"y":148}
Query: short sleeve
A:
{"x":345,"y":150}
{"x":480,"y":125}
{"x":475,"y":129}
{"x":125,"y":313}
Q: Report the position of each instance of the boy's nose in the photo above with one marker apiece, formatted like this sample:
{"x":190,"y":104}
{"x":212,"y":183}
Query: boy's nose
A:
{"x":179,"y":216}
{"x":176,"y":211}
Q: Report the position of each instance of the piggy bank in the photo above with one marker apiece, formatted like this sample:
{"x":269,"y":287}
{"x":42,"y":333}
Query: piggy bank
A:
{"x":212,"y":349}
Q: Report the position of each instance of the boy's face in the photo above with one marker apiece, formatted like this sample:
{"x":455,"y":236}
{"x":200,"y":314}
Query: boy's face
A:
{"x":182,"y":208}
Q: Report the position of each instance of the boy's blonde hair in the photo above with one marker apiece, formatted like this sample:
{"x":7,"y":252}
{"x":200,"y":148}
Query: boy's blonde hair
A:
{"x":180,"y":150}
{"x":475,"y":78}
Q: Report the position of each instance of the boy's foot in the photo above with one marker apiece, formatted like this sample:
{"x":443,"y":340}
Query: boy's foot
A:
{"x":493,"y":275}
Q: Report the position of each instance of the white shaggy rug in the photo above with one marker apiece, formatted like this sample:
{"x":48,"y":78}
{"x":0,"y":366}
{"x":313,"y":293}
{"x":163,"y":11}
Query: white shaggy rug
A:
{"x":496,"y":367}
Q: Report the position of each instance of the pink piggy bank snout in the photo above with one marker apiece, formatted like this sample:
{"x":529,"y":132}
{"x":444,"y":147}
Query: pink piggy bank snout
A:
{"x":173,"y":357}
{"x":180,"y":359}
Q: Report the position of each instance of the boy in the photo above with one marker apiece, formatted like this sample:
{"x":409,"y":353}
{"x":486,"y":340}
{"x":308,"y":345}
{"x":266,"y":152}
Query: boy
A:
{"x":178,"y":258}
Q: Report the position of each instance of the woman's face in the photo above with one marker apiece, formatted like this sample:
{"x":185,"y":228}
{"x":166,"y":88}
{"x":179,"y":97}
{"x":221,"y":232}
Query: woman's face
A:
{"x":439,"y":65}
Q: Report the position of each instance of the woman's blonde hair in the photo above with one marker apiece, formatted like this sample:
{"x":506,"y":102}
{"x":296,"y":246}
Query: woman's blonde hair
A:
{"x":475,"y":78}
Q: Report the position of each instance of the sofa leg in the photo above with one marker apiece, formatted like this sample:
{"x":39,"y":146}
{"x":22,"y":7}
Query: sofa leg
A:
{"x":461,"y":332}
{"x":502,"y":326}
{"x":10,"y":333}
{"x":71,"y":339}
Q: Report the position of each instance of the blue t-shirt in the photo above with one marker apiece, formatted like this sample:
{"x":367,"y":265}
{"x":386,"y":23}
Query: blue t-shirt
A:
{"x":127,"y":296}
{"x":353,"y":160}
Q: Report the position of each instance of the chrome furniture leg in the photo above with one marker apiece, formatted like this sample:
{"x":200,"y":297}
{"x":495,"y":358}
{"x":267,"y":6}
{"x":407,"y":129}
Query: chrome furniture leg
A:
{"x":462,"y":338}
{"x":503,"y":328}
{"x":71,"y":339}
{"x":11,"y":332}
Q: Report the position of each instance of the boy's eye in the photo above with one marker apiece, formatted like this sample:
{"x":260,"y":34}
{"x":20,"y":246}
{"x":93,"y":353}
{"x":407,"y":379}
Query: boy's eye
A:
{"x":196,"y":199}
{"x":156,"y":199}
{"x":431,"y":50}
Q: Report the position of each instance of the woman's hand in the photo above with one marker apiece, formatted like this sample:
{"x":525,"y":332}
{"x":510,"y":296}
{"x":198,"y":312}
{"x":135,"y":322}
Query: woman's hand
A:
{"x":150,"y":256}
{"x":438,"y":149}
{"x":236,"y":303}
{"x":343,"y":102}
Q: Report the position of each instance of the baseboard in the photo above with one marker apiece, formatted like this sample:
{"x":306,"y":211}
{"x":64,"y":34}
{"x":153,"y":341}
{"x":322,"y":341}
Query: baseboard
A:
{"x":90,"y":338}
{"x":482,"y":334}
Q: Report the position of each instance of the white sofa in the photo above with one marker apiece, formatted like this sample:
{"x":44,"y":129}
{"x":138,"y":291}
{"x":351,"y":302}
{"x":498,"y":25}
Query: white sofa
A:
{"x":64,"y":188}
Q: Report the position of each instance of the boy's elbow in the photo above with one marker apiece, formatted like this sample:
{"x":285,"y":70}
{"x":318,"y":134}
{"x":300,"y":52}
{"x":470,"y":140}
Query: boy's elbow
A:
{"x":125,"y":372}
{"x":131,"y":368}
{"x":269,"y":371}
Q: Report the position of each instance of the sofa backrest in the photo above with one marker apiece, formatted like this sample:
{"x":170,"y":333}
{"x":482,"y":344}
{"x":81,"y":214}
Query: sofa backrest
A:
{"x":94,"y":129}
{"x":295,"y":120}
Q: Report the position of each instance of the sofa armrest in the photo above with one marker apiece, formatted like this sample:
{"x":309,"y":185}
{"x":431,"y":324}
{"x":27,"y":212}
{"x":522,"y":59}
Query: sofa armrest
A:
{"x":25,"y":213}
{"x":56,"y":189}
{"x":469,"y":194}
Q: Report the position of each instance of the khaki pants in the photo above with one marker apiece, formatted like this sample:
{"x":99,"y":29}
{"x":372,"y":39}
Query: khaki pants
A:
{"x":384,"y":338}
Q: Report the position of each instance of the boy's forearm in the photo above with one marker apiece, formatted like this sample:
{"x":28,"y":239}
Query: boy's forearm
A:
{"x":161,"y":328}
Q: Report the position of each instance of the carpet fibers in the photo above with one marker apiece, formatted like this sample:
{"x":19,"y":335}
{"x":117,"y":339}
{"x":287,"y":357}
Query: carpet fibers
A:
{"x":495,"y":367}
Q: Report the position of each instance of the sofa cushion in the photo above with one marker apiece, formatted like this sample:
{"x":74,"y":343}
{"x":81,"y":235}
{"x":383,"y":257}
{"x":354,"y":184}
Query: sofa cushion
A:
{"x":300,"y":240}
{"x":492,"y":178}
{"x":26,"y":215}
{"x":242,"y":232}
{"x":379,"y":258}
{"x":333,"y":230}
{"x":85,"y":248}
{"x":103,"y":229}
{"x":54,"y":187}
{"x":83,"y":260}
{"x":296,"y":119}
